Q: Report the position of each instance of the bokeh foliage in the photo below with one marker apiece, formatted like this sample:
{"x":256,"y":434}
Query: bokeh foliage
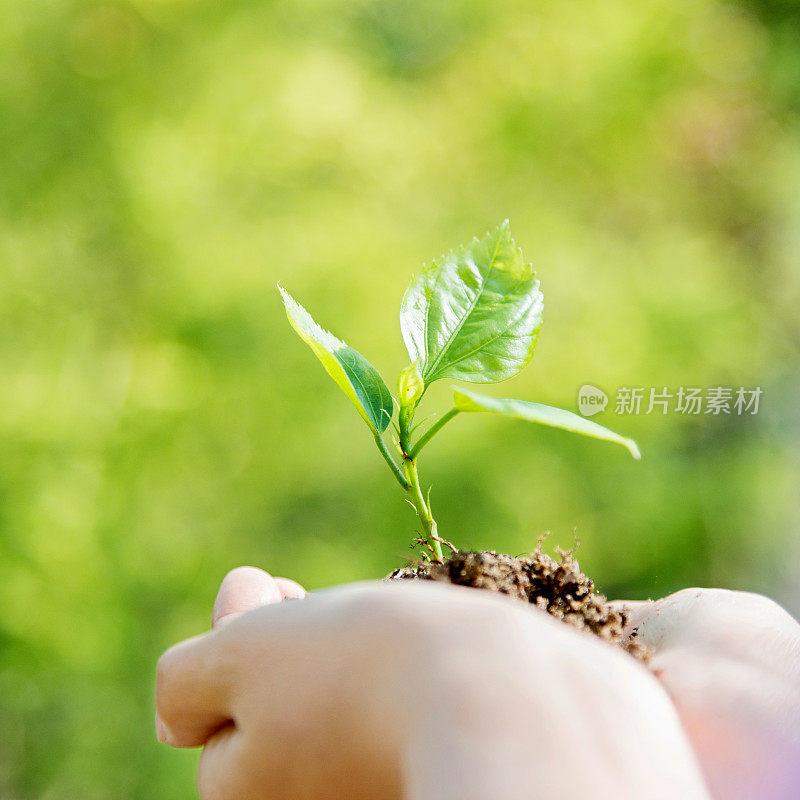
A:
{"x":164,"y":162}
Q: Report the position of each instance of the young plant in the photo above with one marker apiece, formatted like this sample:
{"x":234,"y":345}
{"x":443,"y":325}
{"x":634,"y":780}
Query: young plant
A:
{"x":473,"y":315}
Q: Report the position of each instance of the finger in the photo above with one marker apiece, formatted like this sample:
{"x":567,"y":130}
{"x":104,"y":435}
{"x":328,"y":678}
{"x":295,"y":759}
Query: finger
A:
{"x":716,"y":619}
{"x":731,"y":664}
{"x":192,"y":691}
{"x":289,"y":589}
{"x":244,"y":589}
{"x":219,"y":771}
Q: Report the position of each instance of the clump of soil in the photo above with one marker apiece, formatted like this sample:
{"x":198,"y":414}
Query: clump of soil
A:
{"x":557,"y":587}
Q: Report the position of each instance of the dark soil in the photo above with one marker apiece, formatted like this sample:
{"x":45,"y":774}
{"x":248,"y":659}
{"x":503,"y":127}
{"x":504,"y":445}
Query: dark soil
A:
{"x":557,"y":587}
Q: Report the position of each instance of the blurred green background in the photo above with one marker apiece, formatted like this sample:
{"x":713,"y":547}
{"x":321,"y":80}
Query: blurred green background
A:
{"x":164,"y":162}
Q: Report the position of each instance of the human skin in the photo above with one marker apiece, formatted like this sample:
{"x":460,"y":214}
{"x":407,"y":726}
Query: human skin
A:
{"x":730,"y":661}
{"x":422,"y":691}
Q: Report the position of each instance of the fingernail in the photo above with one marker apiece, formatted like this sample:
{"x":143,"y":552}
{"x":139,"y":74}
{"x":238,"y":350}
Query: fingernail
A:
{"x":161,"y":730}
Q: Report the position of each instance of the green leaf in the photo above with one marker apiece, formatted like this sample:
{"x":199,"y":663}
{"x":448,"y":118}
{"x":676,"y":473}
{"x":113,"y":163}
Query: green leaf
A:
{"x":356,"y":377}
{"x":544,"y":415}
{"x":475,"y":313}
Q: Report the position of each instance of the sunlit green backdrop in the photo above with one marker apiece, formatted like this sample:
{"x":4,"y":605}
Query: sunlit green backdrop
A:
{"x":164,"y":162}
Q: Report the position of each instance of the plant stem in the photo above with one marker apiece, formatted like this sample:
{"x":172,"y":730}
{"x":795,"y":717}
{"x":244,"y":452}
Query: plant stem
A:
{"x":396,"y":471}
{"x":423,"y":512}
{"x":432,"y":431}
{"x":414,"y":490}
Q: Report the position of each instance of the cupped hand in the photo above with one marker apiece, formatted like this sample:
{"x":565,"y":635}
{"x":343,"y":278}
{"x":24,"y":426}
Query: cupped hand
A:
{"x":420,"y":691}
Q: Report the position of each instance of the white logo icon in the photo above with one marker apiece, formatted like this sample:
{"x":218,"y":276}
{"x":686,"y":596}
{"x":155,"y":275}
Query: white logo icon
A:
{"x":591,"y":400}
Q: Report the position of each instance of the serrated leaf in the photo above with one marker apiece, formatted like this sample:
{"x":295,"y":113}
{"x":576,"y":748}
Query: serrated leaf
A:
{"x":475,"y":313}
{"x":356,"y":377}
{"x":544,"y":415}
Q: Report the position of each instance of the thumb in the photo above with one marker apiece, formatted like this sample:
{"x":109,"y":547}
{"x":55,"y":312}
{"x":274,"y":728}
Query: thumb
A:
{"x":244,"y":589}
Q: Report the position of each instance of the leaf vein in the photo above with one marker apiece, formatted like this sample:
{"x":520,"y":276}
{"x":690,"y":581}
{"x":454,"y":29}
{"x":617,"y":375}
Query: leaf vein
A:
{"x":511,"y":323}
{"x":468,"y":313}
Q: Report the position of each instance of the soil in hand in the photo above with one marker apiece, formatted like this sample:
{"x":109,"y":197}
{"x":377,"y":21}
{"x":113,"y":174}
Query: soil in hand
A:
{"x":557,"y":587}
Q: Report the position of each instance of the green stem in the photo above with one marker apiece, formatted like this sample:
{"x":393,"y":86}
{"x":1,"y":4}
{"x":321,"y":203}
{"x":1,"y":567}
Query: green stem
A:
{"x":396,"y":471}
{"x":432,"y":431}
{"x":421,"y":507}
{"x":414,"y":490}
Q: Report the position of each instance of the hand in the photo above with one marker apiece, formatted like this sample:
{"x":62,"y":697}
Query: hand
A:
{"x":731,"y":663}
{"x":416,"y":690}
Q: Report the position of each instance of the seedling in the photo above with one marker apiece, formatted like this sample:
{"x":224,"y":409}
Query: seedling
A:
{"x":472,"y":315}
